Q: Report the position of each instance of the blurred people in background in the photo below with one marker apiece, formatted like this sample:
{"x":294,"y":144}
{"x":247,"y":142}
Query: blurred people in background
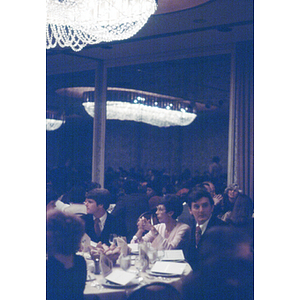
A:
{"x":224,"y":208}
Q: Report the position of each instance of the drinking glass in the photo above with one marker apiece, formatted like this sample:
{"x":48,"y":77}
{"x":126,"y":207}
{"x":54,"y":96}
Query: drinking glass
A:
{"x":125,"y":262}
{"x":139,"y":264}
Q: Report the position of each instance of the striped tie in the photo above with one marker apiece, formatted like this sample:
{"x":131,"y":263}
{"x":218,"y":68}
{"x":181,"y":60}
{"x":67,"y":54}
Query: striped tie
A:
{"x":97,"y":224}
{"x":198,"y":234}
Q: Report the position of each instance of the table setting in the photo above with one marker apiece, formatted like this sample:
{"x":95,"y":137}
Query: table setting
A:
{"x":136,"y":265}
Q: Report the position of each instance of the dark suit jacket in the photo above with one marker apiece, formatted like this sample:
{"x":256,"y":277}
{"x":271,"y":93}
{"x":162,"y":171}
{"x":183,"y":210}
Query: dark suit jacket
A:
{"x":128,"y":209}
{"x":193,"y":254}
{"x":110,"y":226}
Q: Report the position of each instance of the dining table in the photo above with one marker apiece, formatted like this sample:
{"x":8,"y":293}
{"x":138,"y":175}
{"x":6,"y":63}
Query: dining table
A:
{"x":97,"y":287}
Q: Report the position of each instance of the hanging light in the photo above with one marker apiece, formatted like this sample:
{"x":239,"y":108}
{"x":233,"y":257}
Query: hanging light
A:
{"x":140,"y":106}
{"x":54,"y":120}
{"x":76,"y":23}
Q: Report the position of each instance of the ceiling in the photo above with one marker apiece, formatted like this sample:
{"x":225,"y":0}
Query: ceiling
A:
{"x":182,"y":53}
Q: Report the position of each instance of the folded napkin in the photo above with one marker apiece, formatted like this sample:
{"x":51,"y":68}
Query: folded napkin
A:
{"x":106,"y":265}
{"x":164,"y":267}
{"x":125,"y":250}
{"x":173,"y":255}
{"x":120,"y":277}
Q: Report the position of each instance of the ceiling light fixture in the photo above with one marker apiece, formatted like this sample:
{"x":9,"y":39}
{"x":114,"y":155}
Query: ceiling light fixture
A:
{"x":54,"y":120}
{"x":76,"y":23}
{"x":140,"y":106}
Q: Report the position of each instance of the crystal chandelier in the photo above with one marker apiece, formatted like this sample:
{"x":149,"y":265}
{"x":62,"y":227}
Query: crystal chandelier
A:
{"x":76,"y":23}
{"x":140,"y":106}
{"x":54,"y":120}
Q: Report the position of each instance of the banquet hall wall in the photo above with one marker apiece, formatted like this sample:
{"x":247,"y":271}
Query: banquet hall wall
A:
{"x":139,"y":145}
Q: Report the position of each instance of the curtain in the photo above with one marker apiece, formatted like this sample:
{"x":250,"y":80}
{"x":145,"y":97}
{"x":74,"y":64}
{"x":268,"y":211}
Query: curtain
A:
{"x":241,"y":137}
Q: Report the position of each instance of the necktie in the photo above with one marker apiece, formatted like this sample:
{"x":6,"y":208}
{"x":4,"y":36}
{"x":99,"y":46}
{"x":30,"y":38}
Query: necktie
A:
{"x":198,"y":234}
{"x":97,"y":224}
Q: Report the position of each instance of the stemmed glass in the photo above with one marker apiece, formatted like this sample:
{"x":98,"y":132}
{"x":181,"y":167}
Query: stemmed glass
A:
{"x":139,"y":264}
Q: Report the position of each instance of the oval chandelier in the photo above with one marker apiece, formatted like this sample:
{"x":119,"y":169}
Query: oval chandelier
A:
{"x":76,"y":23}
{"x":140,"y":106}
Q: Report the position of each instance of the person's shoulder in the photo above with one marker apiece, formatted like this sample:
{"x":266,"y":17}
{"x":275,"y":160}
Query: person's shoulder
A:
{"x":183,"y":226}
{"x":87,"y":217}
{"x":79,"y":259}
{"x":215,"y":221}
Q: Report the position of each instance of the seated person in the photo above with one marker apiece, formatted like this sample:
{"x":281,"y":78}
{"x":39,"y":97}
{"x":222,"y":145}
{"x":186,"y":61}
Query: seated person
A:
{"x":210,"y":187}
{"x":130,"y":206}
{"x":168,"y":234}
{"x":66,"y":271}
{"x":231,"y":194}
{"x":98,"y":223}
{"x":201,"y":207}
{"x":226,"y":269}
{"x":241,"y":216}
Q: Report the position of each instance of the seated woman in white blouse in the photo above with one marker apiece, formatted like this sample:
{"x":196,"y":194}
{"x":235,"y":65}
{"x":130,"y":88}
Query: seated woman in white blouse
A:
{"x":168,"y":234}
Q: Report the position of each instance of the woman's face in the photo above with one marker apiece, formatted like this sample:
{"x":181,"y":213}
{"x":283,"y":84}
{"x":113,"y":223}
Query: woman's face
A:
{"x":232,"y":195}
{"x":162,"y":214}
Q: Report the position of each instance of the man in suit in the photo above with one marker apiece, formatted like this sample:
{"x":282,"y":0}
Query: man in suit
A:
{"x":99,"y":224}
{"x":130,"y":206}
{"x":201,"y":207}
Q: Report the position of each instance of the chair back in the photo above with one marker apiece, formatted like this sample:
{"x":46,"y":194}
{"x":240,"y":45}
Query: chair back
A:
{"x":150,"y":215}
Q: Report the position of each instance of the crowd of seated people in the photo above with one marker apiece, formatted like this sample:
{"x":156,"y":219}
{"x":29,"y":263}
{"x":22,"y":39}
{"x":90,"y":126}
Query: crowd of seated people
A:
{"x":213,"y":228}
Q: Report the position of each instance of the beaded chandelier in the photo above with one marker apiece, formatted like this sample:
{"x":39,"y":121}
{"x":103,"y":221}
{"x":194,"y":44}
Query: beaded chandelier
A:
{"x":76,"y":23}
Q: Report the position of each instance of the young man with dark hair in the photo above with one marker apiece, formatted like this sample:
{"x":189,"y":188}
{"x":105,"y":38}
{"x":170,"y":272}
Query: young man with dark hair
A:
{"x":99,"y":224}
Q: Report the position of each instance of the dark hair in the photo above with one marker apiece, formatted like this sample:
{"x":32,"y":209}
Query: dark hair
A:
{"x":101,"y":196}
{"x":172,"y":203}
{"x":195,"y":195}
{"x":131,"y":186}
{"x":242,"y":210}
{"x":64,"y":232}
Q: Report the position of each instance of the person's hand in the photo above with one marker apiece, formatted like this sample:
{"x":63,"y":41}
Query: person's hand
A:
{"x":144,"y":224}
{"x":95,"y":252}
{"x":217,"y":199}
{"x":50,"y":205}
{"x":113,"y":253}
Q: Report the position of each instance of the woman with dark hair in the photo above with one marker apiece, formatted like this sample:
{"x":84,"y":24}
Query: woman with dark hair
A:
{"x":66,"y":271}
{"x":168,"y":234}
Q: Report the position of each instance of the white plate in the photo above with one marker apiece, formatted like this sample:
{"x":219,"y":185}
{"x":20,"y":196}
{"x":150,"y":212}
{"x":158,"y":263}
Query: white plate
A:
{"x":110,"y":284}
{"x":162,"y":274}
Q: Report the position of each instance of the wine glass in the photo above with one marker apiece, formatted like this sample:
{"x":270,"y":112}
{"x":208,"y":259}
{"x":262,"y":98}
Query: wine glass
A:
{"x":139,"y":264}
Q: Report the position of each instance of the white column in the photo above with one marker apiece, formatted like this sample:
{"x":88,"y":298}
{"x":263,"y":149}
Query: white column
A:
{"x":99,"y":124}
{"x":231,"y":171}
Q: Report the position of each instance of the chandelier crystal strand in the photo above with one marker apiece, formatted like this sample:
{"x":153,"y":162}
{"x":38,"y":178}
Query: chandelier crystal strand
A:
{"x":76,"y":23}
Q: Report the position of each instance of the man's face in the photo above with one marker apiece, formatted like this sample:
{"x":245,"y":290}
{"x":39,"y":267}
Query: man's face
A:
{"x":232,"y":195}
{"x":91,"y":206}
{"x":201,"y":210}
